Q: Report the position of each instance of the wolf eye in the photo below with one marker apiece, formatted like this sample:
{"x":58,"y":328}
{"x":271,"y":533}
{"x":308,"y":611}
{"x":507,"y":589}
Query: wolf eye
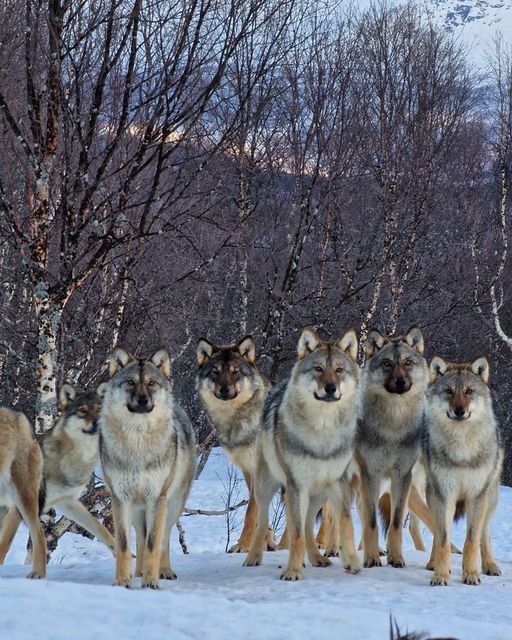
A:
{"x":318,"y":368}
{"x":448,"y":391}
{"x":339,"y":369}
{"x":469,"y":391}
{"x":408,"y":362}
{"x":151,"y":383}
{"x":131,"y":383}
{"x":236,"y":370}
{"x":387,"y":364}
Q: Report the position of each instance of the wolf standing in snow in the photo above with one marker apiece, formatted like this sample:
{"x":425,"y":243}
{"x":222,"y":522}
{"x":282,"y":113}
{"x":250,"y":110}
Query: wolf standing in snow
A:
{"x":464,"y":457}
{"x":70,"y":453}
{"x":233,"y":392}
{"x":393,"y":384}
{"x":21,"y":477}
{"x":310,"y":423}
{"x":147,"y":451}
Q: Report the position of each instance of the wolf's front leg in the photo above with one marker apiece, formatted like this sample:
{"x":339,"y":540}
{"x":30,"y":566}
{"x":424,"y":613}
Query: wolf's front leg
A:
{"x":443,"y":512}
{"x":297,"y":503}
{"x":156,"y":512}
{"x":342,"y":498}
{"x":122,"y":515}
{"x":314,"y":555}
{"x":265,"y":487}
{"x":476,"y":510}
{"x":369,"y":496}
{"x":400,"y":486}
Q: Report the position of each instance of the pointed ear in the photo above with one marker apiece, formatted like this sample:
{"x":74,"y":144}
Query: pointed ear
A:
{"x":437,"y":368}
{"x":481,"y":368}
{"x":119,"y":359}
{"x":102,"y":390}
{"x":204,"y":350}
{"x":67,"y":394}
{"x":162,"y":361}
{"x":348,"y":343}
{"x":308,"y":342}
{"x":374,"y":342}
{"x":414,"y":339}
{"x":247,"y":349}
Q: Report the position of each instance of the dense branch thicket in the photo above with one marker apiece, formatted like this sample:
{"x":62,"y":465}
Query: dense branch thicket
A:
{"x":171,"y":170}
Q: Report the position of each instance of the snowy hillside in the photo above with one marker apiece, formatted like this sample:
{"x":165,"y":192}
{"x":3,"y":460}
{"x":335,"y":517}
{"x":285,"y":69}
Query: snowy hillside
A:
{"x":215,"y":597}
{"x":475,"y":22}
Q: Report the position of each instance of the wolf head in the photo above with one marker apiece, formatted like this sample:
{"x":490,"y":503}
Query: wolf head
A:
{"x":396,"y":363}
{"x":79,"y":411}
{"x":226,"y":370}
{"x":459,"y":391}
{"x":326,"y":371}
{"x":139,"y":383}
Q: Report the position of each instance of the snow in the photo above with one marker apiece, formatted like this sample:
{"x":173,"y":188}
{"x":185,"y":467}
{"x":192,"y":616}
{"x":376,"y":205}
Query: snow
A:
{"x":474,"y":23}
{"x":216,"y":597}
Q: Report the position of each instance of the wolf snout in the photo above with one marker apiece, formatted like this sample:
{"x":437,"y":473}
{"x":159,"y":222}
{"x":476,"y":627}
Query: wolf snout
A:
{"x":225,"y":392}
{"x":330,"y":389}
{"x":458,"y":413}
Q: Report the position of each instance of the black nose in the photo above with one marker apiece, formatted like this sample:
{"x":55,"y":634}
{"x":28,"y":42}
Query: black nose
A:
{"x":459,"y":411}
{"x":224,"y":390}
{"x":143,"y":401}
{"x":330,"y":388}
{"x":400,"y":383}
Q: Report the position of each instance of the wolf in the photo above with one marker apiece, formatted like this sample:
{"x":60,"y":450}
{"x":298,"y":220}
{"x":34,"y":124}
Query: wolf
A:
{"x":309,"y":428}
{"x":388,"y":440}
{"x":233,"y":393}
{"x":147,"y":452}
{"x":70,"y":453}
{"x":21,"y":482}
{"x":463,"y":453}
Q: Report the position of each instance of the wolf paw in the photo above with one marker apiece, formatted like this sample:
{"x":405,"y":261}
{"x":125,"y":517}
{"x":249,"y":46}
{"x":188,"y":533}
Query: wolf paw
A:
{"x":239,"y":548}
{"x":398,"y":562}
{"x":123,"y":582}
{"x":321,"y":561}
{"x":36,"y":575}
{"x":332,"y":552}
{"x":167,"y":574}
{"x":491,"y":569}
{"x":352,"y":565}
{"x":439,"y":580}
{"x":470,"y":577}
{"x":253,"y":560}
{"x":382,"y":552}
{"x":372,"y":562}
{"x":150,"y":583}
{"x":430,"y":566}
{"x":291,"y":574}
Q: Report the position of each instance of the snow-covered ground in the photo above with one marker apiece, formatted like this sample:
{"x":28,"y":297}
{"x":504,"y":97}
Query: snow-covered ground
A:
{"x":215,"y":597}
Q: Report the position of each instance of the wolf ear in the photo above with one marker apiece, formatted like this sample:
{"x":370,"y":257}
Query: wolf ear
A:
{"x":162,"y":361}
{"x":67,"y":394}
{"x":102,"y":390}
{"x":247,"y":349}
{"x":119,"y":359}
{"x":204,"y":350}
{"x":414,"y":339}
{"x":437,"y":368}
{"x":481,"y":368}
{"x":308,"y":342}
{"x":374,"y":342}
{"x":348,"y":343}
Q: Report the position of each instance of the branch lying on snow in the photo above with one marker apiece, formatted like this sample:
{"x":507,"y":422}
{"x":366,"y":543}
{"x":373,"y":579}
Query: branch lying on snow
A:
{"x":203,"y":512}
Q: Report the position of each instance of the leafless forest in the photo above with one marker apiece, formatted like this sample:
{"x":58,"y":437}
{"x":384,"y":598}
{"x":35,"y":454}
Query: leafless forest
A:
{"x":173,"y":169}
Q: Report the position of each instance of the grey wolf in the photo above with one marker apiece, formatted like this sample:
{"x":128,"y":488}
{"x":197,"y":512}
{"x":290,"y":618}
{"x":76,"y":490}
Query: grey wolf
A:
{"x":387,"y":445}
{"x":310,"y":422}
{"x":147,"y":452}
{"x":21,"y":482}
{"x":233,"y":392}
{"x":70,"y":453}
{"x":463,"y":456}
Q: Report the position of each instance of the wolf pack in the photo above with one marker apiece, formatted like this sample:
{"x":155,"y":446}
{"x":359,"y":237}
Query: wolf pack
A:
{"x":396,"y":436}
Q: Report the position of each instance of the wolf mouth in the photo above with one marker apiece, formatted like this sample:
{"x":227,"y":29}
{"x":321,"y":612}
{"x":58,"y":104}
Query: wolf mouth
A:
{"x":92,"y":431}
{"x":326,"y":398}
{"x":140,"y":409}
